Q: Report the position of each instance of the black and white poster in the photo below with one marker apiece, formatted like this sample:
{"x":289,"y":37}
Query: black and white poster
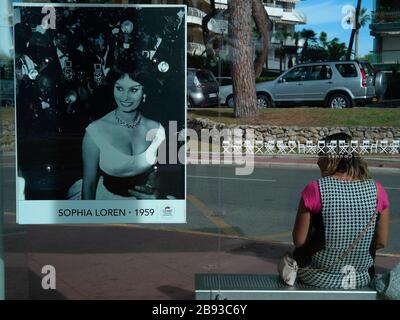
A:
{"x":100,"y":102}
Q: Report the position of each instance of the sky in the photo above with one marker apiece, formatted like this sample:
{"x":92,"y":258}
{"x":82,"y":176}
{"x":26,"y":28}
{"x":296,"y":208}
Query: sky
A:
{"x":326,"y":15}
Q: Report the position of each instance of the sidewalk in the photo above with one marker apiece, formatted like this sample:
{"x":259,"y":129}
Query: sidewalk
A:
{"x":111,"y":262}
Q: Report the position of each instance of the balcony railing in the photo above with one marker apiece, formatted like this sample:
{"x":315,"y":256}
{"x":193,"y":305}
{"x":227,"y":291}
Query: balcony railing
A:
{"x":215,"y":25}
{"x":386,"y":17}
{"x":388,"y":56}
{"x":194,"y":12}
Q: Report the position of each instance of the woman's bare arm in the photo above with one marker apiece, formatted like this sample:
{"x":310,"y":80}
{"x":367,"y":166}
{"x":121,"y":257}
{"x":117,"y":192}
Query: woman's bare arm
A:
{"x":382,"y":229}
{"x":302,"y":225}
{"x":90,"y":155}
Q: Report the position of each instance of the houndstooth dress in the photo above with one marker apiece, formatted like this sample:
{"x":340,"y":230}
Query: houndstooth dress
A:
{"x":347,"y":208}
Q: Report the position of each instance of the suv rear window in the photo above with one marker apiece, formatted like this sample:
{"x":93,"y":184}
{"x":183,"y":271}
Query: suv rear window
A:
{"x":369,"y":70}
{"x":205,"y":76}
{"x":347,"y":70}
{"x":321,"y":72}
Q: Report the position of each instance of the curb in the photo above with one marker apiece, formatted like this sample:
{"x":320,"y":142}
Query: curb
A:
{"x":294,"y":160}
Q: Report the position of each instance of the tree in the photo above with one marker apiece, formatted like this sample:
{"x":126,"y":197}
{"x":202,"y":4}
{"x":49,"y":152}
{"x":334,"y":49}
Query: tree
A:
{"x":308,"y":35}
{"x":242,"y":68}
{"x":367,"y":57}
{"x":353,"y":31}
{"x":208,"y":43}
{"x":323,"y":39}
{"x":282,"y":36}
{"x":323,"y":49}
{"x":263,"y":25}
{"x":363,"y":20}
{"x":336,"y":50}
{"x":296,"y":36}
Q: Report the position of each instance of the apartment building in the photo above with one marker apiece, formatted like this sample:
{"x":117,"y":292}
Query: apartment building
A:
{"x":385,"y":27}
{"x":282,"y":13}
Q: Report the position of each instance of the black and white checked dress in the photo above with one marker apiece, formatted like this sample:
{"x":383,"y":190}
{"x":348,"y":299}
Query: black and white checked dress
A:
{"x":347,"y":207}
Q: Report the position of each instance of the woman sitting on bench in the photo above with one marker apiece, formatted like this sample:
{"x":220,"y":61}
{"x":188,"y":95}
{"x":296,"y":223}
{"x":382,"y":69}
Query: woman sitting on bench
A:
{"x":342,"y":219}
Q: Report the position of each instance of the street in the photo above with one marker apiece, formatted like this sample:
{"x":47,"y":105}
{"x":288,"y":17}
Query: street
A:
{"x":261,"y":206}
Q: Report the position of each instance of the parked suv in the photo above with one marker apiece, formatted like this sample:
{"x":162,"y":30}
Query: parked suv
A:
{"x":335,"y":84}
{"x":202,"y":88}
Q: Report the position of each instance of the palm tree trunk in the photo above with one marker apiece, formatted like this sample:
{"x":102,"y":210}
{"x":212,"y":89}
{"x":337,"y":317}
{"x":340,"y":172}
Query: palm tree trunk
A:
{"x":303,"y":51}
{"x":356,"y":45}
{"x":353,"y":31}
{"x":242,"y":68}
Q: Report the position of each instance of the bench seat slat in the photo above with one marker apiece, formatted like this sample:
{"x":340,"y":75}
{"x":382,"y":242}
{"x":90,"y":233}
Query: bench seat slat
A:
{"x":268,"y":287}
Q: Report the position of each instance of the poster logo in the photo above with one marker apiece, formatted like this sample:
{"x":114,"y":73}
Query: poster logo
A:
{"x":168,"y":211}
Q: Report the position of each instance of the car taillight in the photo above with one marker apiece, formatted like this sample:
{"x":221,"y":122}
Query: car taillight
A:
{"x":363,"y":77}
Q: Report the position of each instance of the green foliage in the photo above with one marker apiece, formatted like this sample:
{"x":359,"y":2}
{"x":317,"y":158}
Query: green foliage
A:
{"x":308,"y":35}
{"x":323,"y":49}
{"x":323,"y":38}
{"x":367,"y":57}
{"x":336,"y":50}
{"x":282,"y":35}
{"x":364,"y":18}
{"x":200,"y":62}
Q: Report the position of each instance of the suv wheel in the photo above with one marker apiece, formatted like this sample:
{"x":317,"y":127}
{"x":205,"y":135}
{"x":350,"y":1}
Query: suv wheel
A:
{"x":263,"y":101}
{"x":189,"y":103}
{"x":339,"y":101}
{"x":230,"y":102}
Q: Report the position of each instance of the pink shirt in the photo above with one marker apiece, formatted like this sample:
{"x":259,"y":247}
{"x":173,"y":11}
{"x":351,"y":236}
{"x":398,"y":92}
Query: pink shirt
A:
{"x":312,"y":197}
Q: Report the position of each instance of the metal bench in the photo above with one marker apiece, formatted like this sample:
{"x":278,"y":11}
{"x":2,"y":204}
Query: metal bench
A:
{"x":268,"y":287}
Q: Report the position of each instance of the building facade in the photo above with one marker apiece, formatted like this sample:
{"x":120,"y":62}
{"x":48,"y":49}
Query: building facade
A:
{"x":385,"y":27}
{"x":282,"y":13}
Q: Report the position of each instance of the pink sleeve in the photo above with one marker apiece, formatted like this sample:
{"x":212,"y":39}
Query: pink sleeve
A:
{"x":312,"y":197}
{"x":383,"y":200}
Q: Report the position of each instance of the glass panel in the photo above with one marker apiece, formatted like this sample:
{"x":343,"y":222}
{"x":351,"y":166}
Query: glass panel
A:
{"x":322,"y":72}
{"x":205,"y":76}
{"x":347,"y":70}
{"x":297,"y":74}
{"x":237,"y":225}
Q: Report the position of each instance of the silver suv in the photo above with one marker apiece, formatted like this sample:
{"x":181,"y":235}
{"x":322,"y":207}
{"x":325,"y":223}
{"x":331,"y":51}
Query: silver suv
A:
{"x":335,"y":84}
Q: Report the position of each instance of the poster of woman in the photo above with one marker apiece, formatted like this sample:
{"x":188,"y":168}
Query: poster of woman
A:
{"x":100,"y":100}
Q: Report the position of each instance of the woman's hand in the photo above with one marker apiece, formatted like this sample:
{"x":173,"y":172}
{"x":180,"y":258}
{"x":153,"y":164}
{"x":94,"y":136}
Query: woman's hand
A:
{"x":382,"y":230}
{"x":149,"y":191}
{"x":145,"y":192}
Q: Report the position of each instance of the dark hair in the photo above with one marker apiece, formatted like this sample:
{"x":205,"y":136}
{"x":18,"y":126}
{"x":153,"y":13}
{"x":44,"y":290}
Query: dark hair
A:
{"x":349,"y":163}
{"x":132,"y":69}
